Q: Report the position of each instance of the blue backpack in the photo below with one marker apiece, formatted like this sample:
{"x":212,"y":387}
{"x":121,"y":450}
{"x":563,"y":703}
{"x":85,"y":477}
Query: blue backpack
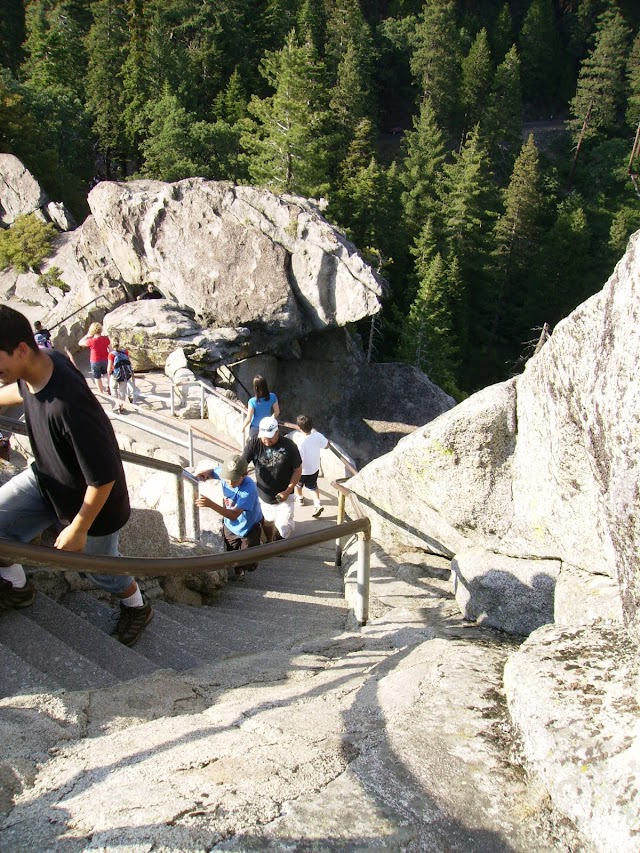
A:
{"x":122,"y":369}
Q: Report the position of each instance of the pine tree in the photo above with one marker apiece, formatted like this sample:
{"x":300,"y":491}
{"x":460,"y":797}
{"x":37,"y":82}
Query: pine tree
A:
{"x":540,"y":49}
{"x":517,"y":235}
{"x":285,"y":140}
{"x":600,"y":91}
{"x":105,"y":46}
{"x":428,"y":340}
{"x":502,"y":122}
{"x":502,"y":33}
{"x":477,"y":76}
{"x":312,"y":25}
{"x":633,"y":84}
{"x":351,"y":99}
{"x":435,"y":61}
{"x":12,"y":34}
{"x":422,"y":170}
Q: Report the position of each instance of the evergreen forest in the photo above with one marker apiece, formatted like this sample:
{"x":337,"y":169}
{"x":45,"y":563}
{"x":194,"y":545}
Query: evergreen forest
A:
{"x":481,"y":154}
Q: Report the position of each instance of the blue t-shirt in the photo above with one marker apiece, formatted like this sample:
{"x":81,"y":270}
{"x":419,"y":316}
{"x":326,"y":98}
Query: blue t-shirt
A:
{"x":244,"y":497}
{"x":261,"y":408}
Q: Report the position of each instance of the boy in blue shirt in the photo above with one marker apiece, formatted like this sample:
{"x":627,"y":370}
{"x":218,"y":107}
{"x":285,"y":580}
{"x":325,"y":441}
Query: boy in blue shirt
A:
{"x":241,"y":508}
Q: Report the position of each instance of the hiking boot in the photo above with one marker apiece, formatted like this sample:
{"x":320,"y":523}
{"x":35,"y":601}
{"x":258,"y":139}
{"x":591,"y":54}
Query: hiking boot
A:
{"x":132,"y":622}
{"x":317,"y":511}
{"x":13,"y":597}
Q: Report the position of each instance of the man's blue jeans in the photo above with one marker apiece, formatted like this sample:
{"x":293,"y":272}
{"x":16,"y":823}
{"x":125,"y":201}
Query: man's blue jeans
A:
{"x":24,"y":513}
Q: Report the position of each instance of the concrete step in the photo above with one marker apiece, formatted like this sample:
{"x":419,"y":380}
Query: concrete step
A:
{"x":60,"y":661}
{"x":92,"y":642}
{"x":154,"y":645}
{"x":213,"y":637}
{"x":17,"y":677}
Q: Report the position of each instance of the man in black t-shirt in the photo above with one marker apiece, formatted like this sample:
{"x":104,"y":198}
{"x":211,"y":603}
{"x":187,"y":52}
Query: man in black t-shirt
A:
{"x":278,"y":468}
{"x":76,"y":480}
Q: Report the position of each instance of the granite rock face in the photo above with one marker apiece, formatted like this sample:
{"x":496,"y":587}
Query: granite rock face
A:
{"x":543,"y":466}
{"x":21,"y":194}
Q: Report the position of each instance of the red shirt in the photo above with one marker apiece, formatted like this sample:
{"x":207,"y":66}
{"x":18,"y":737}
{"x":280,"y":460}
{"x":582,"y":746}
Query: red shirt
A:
{"x":99,"y":347}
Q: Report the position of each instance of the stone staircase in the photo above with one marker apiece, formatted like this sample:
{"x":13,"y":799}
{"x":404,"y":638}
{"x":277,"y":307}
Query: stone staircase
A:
{"x":67,"y":644}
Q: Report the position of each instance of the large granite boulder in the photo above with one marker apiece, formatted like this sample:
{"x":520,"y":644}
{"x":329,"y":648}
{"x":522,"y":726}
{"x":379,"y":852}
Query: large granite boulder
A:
{"x":20,"y":194}
{"x":239,"y":256}
{"x":546,"y":465}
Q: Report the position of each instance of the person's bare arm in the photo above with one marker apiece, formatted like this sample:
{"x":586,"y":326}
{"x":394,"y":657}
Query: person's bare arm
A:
{"x":10,"y":395}
{"x":248,"y":418}
{"x":74,"y":537}
{"x":225,"y":512}
{"x":276,"y":409}
{"x":293,"y":482}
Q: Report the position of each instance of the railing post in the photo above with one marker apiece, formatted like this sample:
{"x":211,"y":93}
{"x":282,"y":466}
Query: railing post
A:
{"x":173,"y":405}
{"x":339,"y":520}
{"x":182,"y":532}
{"x":361,"y":607}
{"x":190,"y":447}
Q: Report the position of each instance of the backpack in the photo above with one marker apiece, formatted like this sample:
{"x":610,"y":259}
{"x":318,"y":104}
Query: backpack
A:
{"x":42,"y":341}
{"x":122,"y":369}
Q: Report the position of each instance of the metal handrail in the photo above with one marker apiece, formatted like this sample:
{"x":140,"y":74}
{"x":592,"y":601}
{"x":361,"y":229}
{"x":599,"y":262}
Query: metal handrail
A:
{"x":90,"y":563}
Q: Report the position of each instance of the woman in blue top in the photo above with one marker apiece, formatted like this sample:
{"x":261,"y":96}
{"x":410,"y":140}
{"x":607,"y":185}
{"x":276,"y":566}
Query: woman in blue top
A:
{"x":261,"y":406}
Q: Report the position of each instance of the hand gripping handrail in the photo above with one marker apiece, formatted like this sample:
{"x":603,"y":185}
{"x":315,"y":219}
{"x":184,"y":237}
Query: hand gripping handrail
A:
{"x":58,"y":560}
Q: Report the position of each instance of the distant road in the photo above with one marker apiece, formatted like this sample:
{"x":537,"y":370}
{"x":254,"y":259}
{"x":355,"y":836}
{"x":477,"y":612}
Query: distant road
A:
{"x":542,"y":126}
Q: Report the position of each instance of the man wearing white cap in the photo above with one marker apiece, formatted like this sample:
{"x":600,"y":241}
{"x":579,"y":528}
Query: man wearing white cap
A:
{"x":278,"y":468}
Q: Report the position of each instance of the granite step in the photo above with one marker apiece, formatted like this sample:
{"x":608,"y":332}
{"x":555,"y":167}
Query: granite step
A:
{"x":92,"y":642}
{"x":17,"y":677}
{"x":60,"y":661}
{"x":155,"y":645}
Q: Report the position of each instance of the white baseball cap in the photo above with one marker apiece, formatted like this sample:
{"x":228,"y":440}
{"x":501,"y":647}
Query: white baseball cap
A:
{"x":268,"y":427}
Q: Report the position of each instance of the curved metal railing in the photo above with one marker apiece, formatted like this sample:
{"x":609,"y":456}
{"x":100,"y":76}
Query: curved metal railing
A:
{"x":58,"y":560}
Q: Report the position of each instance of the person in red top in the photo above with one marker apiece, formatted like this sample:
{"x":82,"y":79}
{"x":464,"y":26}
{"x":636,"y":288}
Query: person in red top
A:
{"x":99,"y":345}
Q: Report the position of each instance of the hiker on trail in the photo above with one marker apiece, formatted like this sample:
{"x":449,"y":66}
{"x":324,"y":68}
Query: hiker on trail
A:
{"x":309,"y":442}
{"x":242,"y":526}
{"x":122,"y":381}
{"x":98,"y":344}
{"x":150,"y":293}
{"x":42,"y":336}
{"x":261,"y":405}
{"x":76,"y":481}
{"x":278,"y":468}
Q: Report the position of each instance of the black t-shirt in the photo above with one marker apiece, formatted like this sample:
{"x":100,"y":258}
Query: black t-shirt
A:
{"x":274,"y":465}
{"x":74,"y":446}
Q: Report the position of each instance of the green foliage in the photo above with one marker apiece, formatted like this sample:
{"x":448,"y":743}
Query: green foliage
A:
{"x":51,"y":278}
{"x":502,"y":122}
{"x":540,"y":52}
{"x":286,"y":139}
{"x":633,"y":84}
{"x":601,"y":83}
{"x":26,"y":244}
{"x":477,"y":76}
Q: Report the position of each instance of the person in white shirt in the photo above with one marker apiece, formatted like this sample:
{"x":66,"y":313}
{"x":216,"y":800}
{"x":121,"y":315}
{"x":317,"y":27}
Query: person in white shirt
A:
{"x":310,"y":442}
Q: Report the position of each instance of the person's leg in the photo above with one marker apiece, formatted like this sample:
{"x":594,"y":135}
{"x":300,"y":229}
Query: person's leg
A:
{"x":312,"y":484}
{"x":232,"y":543}
{"x":135,"y":611}
{"x":268,"y":520}
{"x":121,"y":395}
{"x":284,"y":518}
{"x":23,"y":514}
{"x":97,"y":372}
{"x":241,"y":543}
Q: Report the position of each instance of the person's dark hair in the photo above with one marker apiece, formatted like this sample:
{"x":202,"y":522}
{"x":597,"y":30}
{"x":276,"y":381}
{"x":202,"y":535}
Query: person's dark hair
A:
{"x":37,"y":326}
{"x":15,"y":329}
{"x":305,"y":423}
{"x":260,"y":388}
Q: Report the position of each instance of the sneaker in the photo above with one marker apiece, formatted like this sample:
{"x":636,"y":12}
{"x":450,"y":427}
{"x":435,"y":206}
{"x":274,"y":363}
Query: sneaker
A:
{"x":12,"y":597}
{"x":299,"y":500}
{"x":132,"y":622}
{"x":238,"y":575}
{"x":317,"y":511}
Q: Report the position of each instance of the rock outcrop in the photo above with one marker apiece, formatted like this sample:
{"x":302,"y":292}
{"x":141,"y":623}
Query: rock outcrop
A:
{"x":20,"y":194}
{"x":532,"y":487}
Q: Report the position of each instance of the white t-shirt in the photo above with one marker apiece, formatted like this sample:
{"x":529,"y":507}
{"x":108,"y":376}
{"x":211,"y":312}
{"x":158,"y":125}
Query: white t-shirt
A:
{"x":309,"y":446}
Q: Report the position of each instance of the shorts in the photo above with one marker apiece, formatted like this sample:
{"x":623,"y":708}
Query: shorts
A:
{"x":25,"y":512}
{"x":281,"y":515}
{"x":233,"y":542}
{"x":98,"y":369}
{"x":309,"y":481}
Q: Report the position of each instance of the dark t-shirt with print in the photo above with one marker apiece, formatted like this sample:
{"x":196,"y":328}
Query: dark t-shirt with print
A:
{"x":274,"y":465}
{"x":74,"y":446}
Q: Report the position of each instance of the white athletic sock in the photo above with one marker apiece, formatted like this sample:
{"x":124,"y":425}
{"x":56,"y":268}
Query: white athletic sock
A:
{"x":134,"y":600}
{"x":14,"y":574}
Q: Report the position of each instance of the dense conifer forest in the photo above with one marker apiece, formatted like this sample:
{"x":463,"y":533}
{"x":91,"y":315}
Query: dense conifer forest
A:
{"x":480,"y":153}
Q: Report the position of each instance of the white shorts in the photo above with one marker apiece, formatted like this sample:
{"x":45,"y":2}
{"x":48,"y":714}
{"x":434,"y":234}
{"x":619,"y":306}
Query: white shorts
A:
{"x":281,"y":514}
